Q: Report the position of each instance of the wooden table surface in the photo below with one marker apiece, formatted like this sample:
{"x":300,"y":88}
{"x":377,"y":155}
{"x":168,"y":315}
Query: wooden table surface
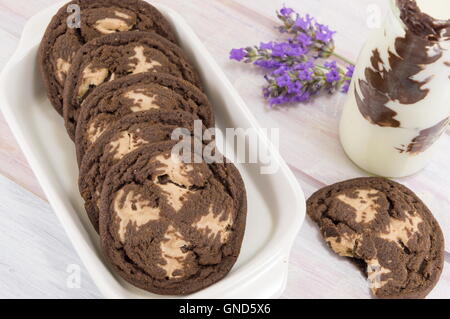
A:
{"x":36,"y":257}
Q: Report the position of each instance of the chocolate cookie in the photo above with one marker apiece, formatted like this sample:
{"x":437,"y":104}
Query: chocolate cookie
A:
{"x":98,"y":18}
{"x":123,"y":137}
{"x":117,"y":55}
{"x":137,"y":93}
{"x":387,"y":229}
{"x":170,"y":227}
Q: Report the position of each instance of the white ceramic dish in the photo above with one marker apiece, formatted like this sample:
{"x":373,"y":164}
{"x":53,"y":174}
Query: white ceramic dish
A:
{"x":276,"y":207}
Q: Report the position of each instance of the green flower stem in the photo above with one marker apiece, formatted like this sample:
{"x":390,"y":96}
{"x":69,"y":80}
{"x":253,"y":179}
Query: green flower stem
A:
{"x":340,"y":57}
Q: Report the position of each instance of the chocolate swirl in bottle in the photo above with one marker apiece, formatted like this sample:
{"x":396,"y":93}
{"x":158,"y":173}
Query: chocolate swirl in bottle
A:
{"x":398,"y":105}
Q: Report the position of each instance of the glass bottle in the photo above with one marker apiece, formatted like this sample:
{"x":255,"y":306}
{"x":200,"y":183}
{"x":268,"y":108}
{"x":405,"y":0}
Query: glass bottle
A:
{"x":399,"y":100}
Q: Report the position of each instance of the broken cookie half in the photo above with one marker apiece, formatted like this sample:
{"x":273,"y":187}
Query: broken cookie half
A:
{"x":387,"y":229}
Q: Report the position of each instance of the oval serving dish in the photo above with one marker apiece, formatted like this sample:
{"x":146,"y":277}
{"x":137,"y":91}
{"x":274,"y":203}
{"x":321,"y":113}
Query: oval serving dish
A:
{"x":276,"y":204}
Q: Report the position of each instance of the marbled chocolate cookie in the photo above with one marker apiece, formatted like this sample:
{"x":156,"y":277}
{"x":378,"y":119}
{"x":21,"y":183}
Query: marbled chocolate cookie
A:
{"x":387,"y":229}
{"x":98,"y":18}
{"x":171,"y":227}
{"x":130,"y":133}
{"x":117,"y":55}
{"x":137,"y":93}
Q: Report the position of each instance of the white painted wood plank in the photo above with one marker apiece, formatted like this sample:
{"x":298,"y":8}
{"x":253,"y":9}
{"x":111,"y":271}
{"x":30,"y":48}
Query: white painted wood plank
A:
{"x":35,"y":253}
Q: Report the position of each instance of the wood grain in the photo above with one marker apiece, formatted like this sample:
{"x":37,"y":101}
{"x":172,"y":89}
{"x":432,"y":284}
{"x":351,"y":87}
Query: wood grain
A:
{"x":309,"y":143}
{"x":36,"y":256}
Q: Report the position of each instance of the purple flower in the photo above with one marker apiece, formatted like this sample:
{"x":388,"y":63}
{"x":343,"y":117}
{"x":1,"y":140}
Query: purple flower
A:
{"x":304,"y":66}
{"x":294,"y":51}
{"x":348,"y":75}
{"x":284,"y":80}
{"x":280,"y":49}
{"x":303,"y":97}
{"x":330,"y":65}
{"x":267,"y":64}
{"x":305,"y":40}
{"x":350,"y":71}
{"x":286,"y":11}
{"x":323,"y":33}
{"x":266,"y":46}
{"x":278,"y":100}
{"x":297,"y":68}
{"x":345,"y":87}
{"x":281,"y":70}
{"x":295,"y":88}
{"x":333,"y":76}
{"x":305,"y":75}
{"x":304,"y":23}
{"x":238,"y":54}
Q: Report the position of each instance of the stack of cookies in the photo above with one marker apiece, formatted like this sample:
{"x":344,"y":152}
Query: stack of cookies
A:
{"x":123,"y":85}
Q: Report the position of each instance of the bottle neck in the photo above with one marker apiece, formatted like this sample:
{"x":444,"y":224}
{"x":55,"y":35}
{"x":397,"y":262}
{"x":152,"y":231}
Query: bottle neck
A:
{"x":419,"y":24}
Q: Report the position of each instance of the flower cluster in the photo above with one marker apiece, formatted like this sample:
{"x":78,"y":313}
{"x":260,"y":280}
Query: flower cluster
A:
{"x":297,"y":68}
